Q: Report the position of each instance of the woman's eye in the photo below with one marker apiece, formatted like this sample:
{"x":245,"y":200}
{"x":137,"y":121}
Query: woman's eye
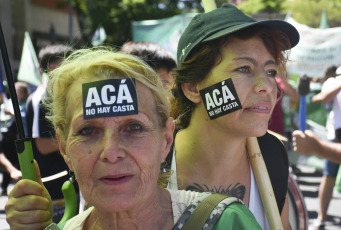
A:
{"x":135,"y":127}
{"x":244,"y":69}
{"x":272,"y":73}
{"x":86,"y":131}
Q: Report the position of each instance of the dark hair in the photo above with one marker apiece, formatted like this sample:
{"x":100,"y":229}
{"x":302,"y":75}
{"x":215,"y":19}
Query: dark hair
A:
{"x":330,"y":72}
{"x":24,"y":87}
{"x":205,"y":56}
{"x":152,"y":53}
{"x":53,"y":54}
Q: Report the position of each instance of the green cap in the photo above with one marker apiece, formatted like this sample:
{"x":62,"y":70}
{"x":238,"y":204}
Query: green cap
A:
{"x":223,"y":21}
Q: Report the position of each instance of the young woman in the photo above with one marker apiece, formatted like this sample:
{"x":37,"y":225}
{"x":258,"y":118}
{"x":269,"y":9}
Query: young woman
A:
{"x":227,"y":64}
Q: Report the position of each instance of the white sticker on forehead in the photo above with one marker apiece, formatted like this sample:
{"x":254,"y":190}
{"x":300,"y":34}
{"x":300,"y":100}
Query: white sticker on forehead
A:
{"x":220,"y":99}
{"x":109,"y":98}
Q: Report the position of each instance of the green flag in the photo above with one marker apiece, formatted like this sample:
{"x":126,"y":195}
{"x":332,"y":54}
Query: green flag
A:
{"x":99,"y":36}
{"x":166,"y":32}
{"x":324,"y":20}
{"x":29,"y":65}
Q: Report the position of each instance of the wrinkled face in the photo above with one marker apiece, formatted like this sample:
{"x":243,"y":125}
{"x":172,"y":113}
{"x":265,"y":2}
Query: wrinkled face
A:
{"x":252,"y":70}
{"x":116,"y":159}
{"x":166,"y":77}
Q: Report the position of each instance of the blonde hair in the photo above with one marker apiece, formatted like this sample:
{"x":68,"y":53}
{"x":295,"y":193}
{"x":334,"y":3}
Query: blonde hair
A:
{"x":100,"y":62}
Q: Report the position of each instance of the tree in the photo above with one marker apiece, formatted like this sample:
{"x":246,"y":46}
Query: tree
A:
{"x":260,"y":6}
{"x":309,"y":11}
{"x":116,"y":16}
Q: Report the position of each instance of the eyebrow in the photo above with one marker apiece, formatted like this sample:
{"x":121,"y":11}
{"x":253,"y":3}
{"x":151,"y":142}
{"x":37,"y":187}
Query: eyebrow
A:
{"x":254,"y":62}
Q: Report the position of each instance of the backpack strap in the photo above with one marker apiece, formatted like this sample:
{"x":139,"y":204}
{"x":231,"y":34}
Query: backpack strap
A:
{"x":204,"y":213}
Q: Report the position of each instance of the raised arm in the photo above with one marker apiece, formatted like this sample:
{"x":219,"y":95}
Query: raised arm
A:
{"x":329,"y":95}
{"x":308,"y":143}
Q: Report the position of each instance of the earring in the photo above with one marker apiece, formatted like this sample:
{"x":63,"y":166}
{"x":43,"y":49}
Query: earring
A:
{"x":259,"y":85}
{"x":72,"y":178}
{"x":164,"y":166}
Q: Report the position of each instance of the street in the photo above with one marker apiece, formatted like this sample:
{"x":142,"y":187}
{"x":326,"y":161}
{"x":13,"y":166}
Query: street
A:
{"x":308,"y":179}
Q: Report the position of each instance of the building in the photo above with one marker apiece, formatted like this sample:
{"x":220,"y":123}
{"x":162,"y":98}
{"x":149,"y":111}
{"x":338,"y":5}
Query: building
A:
{"x":46,"y":21}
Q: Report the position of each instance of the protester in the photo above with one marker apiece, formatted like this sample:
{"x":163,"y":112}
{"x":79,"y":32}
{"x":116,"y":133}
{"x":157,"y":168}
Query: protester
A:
{"x":116,"y":156}
{"x":245,"y":56}
{"x":44,"y":143}
{"x":157,"y":57}
{"x":226,"y":93}
{"x":277,"y":122}
{"x":9,"y":131}
{"x":307,"y":143}
{"x":22,"y":92}
{"x":330,"y":93}
{"x":7,"y":166}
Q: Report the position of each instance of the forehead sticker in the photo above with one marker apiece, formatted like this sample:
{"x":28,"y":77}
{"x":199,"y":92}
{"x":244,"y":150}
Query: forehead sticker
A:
{"x":220,"y":99}
{"x":109,"y":98}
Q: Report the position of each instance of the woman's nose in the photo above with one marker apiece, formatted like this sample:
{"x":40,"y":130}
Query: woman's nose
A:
{"x":264,"y":83}
{"x":113,"y":149}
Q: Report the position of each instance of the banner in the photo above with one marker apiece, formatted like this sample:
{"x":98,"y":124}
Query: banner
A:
{"x":166,"y":32}
{"x":317,"y":50}
{"x":29,"y":65}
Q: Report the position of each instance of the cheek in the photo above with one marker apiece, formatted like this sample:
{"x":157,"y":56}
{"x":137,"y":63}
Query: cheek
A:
{"x":275,"y":94}
{"x":82,"y":159}
{"x":241,"y":89}
{"x":148,"y":158}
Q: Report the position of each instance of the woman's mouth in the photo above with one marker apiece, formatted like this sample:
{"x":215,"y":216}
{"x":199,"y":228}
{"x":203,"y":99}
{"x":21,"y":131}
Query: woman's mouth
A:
{"x":259,"y":108}
{"x":116,"y":180}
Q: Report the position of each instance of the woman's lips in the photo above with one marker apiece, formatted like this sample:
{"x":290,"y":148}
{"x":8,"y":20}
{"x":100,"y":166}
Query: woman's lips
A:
{"x":116,"y":179}
{"x":260,"y":108}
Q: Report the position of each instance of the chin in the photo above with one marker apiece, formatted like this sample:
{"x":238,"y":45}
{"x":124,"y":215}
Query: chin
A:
{"x":113,"y":207}
{"x":258,"y":131}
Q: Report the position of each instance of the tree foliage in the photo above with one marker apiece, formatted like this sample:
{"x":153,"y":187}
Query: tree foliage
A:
{"x":116,"y":16}
{"x":260,"y":6}
{"x":309,"y":11}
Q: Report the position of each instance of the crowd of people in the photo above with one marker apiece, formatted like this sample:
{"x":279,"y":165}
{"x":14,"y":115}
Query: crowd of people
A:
{"x":150,"y":137}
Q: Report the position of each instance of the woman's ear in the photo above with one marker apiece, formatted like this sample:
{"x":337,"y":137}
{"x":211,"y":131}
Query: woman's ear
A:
{"x":169,"y":131}
{"x":62,"y":147}
{"x":191,"y":91}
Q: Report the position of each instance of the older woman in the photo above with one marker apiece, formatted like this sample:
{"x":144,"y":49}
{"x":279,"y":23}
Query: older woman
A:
{"x":111,"y":116}
{"x":227,"y":91}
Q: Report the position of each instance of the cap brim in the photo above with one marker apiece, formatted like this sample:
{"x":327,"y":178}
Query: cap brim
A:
{"x":281,"y":25}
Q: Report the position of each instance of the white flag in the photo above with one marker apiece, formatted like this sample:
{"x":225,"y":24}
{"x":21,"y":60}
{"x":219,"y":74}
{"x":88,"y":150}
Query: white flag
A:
{"x":29,"y":65}
{"x":99,"y":36}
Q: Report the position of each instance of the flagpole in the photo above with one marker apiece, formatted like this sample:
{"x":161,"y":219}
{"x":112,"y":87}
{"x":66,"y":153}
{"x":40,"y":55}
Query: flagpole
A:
{"x":259,"y":168}
{"x":11,"y":87}
{"x":24,"y":145}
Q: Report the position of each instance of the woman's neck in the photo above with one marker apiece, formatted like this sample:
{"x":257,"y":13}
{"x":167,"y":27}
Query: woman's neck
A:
{"x":155,"y":215}
{"x":202,"y":138}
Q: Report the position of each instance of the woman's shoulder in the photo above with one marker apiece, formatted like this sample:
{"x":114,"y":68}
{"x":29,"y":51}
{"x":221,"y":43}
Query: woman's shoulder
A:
{"x":183,"y":198}
{"x":228,"y":211}
{"x":237,"y":216}
{"x":77,"y":222}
